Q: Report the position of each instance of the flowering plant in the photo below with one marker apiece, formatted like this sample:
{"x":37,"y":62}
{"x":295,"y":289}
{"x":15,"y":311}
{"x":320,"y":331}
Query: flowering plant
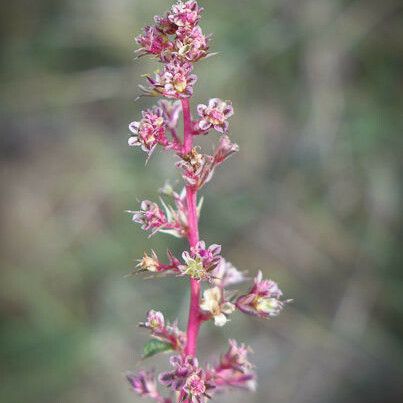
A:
{"x":177,"y":42}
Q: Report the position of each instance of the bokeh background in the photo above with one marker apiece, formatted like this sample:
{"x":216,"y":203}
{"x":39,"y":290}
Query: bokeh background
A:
{"x":313,"y":198}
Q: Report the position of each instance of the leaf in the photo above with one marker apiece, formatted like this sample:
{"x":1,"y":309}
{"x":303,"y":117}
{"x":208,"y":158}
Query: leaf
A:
{"x":156,"y":346}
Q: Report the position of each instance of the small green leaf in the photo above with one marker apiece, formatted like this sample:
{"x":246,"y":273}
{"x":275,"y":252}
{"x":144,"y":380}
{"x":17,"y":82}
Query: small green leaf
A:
{"x":154,"y":347}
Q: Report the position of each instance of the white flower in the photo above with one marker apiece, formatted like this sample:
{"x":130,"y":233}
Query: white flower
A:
{"x":212,"y":302}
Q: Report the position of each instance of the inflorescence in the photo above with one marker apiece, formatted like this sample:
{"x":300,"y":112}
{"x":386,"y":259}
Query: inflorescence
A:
{"x":177,"y":42}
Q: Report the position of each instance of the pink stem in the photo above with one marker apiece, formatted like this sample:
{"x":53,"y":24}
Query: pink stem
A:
{"x":193,"y":237}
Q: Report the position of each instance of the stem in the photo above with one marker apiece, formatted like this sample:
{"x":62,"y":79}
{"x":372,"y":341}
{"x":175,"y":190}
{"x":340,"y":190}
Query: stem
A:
{"x":193,"y":237}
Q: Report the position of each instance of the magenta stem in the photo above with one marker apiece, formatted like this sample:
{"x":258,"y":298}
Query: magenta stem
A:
{"x":193,"y":237}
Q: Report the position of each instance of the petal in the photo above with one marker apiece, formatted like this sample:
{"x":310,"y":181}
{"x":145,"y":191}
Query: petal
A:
{"x":215,"y":249}
{"x":133,"y":141}
{"x":201,"y":109}
{"x":227,"y":308}
{"x":204,"y":125}
{"x":214,"y":102}
{"x":134,"y":126}
{"x":192,"y":79}
{"x":228,"y":110}
{"x":220,"y":320}
{"x":215,"y":293}
{"x":219,"y":128}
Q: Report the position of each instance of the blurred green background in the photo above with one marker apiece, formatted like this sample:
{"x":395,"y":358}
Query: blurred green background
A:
{"x":313,"y":198}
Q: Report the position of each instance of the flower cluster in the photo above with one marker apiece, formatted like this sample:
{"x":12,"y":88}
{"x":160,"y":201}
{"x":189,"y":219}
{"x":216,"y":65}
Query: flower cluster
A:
{"x":177,"y":41}
{"x":144,"y":384}
{"x":149,"y":131}
{"x":170,"y":220}
{"x":234,"y":369}
{"x":263,"y":299}
{"x":215,"y":115}
{"x":187,"y":378}
{"x":165,"y":332}
{"x":198,"y":169}
{"x":176,"y":36}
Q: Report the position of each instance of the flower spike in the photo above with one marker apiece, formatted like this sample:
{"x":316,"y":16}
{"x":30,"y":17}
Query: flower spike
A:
{"x":177,"y":42}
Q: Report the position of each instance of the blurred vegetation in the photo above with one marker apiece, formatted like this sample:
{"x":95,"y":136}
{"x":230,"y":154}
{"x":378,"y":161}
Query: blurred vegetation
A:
{"x":313,"y":198}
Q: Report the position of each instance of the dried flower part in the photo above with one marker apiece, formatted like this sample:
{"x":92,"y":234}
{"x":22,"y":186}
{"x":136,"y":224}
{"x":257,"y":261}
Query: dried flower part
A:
{"x":187,"y":378}
{"x":213,"y":303}
{"x":197,"y":168}
{"x":185,"y":14}
{"x":153,"y":265}
{"x":149,"y":131}
{"x":149,"y":263}
{"x":234,"y":368}
{"x":215,"y":115}
{"x":263,"y":299}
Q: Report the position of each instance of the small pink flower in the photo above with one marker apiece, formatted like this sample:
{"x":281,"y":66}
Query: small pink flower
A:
{"x":215,"y":115}
{"x":234,"y":369}
{"x":174,"y":81}
{"x":209,"y":256}
{"x":185,"y":14}
{"x":155,"y":321}
{"x":150,"y":216}
{"x":187,"y":378}
{"x":262,"y":300}
{"x":149,"y":131}
{"x":183,"y":368}
{"x":153,"y":41}
{"x":144,"y":384}
{"x":177,"y":80}
{"x":195,"y":386}
{"x":224,"y":149}
{"x":201,"y":261}
{"x":164,"y":25}
{"x":191,"y":44}
{"x":167,"y":332}
{"x":236,"y":357}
